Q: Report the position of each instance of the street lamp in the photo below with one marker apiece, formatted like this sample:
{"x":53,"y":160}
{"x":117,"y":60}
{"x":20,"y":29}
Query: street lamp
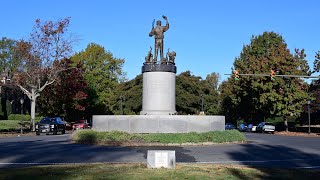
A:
{"x":21,"y":123}
{"x":21,"y":102}
{"x":309,"y":131}
{"x":201,"y":102}
{"x":121,"y":104}
{"x":64,"y":111}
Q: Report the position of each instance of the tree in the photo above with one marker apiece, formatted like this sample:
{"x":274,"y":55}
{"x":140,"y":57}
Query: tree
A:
{"x":102,"y":72}
{"x":9,"y":60}
{"x":131,"y":94}
{"x":40,"y":58}
{"x":189,"y":89}
{"x":316,"y":63}
{"x":71,"y":89}
{"x":213,"y":80}
{"x":315,"y":91}
{"x":229,"y":101}
{"x":259,"y":97}
{"x":8,"y":63}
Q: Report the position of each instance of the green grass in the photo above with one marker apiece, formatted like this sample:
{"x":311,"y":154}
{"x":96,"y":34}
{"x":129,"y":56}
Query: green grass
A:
{"x":139,"y":171}
{"x":91,"y":136}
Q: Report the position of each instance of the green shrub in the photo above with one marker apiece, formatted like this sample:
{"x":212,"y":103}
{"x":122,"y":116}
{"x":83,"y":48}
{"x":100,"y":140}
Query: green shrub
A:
{"x":86,"y":136}
{"x":91,"y":136}
{"x":10,"y":125}
{"x":24,"y":117}
{"x":37,"y":118}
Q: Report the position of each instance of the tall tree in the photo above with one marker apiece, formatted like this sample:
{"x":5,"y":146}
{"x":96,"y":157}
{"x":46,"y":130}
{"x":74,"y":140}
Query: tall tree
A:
{"x":229,"y":101}
{"x":40,"y":58}
{"x":8,"y":63}
{"x":213,"y":80}
{"x":316,"y":63}
{"x":71,"y":89}
{"x":260,"y":97}
{"x":129,"y":97}
{"x":9,"y":60}
{"x":192,"y":92}
{"x":102,"y":72}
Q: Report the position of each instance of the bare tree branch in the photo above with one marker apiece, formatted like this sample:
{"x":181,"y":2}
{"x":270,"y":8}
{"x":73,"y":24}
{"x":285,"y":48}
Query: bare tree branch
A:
{"x":25,"y":91}
{"x":46,"y":84}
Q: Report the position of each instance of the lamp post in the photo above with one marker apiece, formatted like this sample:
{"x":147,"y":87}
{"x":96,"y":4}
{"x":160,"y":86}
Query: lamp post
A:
{"x":64,"y":111}
{"x":309,"y":131}
{"x":121,"y":104}
{"x":21,"y":102}
{"x":202,"y":103}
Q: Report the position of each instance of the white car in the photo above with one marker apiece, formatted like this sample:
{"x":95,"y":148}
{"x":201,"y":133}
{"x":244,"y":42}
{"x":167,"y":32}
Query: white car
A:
{"x":265,"y":127}
{"x":254,"y":128}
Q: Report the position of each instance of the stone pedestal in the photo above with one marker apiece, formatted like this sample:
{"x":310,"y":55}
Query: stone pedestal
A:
{"x":158,"y":123}
{"x":159,"y":89}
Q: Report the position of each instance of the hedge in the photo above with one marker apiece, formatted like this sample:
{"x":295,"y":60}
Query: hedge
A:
{"x":91,"y":136}
{"x":10,"y":125}
{"x":23,"y":117}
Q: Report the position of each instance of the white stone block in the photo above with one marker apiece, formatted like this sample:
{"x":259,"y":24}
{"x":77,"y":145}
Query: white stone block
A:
{"x":161,"y":159}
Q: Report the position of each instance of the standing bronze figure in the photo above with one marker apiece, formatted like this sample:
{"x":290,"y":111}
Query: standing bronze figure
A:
{"x":158,"y":33}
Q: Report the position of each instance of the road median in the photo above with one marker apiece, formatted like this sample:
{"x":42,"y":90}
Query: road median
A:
{"x":117,"y":138}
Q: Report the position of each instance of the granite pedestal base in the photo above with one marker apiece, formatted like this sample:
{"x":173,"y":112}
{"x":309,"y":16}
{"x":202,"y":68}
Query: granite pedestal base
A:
{"x":158,"y":123}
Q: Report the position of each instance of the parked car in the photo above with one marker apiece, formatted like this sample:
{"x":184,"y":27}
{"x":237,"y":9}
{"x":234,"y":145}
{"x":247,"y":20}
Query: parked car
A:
{"x":81,"y":124}
{"x":242,"y":127}
{"x":252,"y":128}
{"x":229,"y":126}
{"x":50,"y":125}
{"x":266,"y":127}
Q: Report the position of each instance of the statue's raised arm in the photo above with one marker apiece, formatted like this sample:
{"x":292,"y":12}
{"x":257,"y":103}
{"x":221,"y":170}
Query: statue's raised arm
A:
{"x":167,"y":23}
{"x":152,"y":32}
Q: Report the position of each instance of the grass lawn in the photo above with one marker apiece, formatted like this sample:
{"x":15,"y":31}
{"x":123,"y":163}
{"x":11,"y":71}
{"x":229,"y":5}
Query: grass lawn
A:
{"x":139,"y":171}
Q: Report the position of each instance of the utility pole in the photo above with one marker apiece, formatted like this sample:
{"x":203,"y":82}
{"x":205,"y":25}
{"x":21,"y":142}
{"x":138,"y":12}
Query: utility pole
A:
{"x":309,"y":130}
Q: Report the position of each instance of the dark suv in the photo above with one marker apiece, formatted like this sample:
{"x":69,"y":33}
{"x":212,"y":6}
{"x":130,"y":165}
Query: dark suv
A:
{"x":50,"y":125}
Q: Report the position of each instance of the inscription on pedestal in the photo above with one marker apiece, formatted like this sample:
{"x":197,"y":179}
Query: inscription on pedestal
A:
{"x":161,"y":159}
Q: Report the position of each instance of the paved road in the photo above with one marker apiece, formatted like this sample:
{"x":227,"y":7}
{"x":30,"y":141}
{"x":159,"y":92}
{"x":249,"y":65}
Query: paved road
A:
{"x":262,"y":150}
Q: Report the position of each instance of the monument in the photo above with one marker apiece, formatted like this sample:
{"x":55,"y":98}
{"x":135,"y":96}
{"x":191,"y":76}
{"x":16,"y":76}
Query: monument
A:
{"x":159,"y":76}
{"x":158,"y":114}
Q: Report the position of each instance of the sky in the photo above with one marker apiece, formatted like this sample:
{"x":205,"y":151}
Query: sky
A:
{"x":207,"y":35}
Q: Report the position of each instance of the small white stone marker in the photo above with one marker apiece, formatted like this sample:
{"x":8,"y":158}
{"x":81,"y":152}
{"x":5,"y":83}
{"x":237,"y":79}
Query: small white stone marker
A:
{"x":161,"y":158}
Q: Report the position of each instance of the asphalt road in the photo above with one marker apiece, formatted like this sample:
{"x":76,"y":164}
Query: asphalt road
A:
{"x":262,"y":150}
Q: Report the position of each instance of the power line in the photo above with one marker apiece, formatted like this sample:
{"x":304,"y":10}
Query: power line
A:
{"x":279,"y":75}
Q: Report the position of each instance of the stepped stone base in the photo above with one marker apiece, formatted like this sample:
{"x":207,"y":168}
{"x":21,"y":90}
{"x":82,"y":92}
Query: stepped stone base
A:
{"x":158,"y":123}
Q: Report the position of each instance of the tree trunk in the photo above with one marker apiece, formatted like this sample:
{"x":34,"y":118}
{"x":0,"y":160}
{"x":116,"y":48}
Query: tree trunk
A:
{"x":286,"y":123}
{"x":33,"y":109}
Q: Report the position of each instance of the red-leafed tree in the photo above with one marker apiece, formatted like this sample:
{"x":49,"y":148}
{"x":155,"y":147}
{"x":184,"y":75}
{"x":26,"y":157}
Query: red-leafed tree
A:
{"x":40,"y":58}
{"x":68,"y":96}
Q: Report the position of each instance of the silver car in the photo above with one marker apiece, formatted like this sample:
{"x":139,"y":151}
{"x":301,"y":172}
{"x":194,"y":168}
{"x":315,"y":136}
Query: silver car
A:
{"x":266,"y":127}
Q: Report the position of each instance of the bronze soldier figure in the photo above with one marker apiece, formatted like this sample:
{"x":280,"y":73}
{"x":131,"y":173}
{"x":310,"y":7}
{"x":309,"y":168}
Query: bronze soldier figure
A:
{"x":158,"y":33}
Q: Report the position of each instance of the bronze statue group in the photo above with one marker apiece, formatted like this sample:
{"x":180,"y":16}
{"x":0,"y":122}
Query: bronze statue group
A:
{"x":158,"y":33}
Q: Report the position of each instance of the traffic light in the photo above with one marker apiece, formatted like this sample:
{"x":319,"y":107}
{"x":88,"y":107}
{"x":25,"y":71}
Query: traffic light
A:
{"x":272,"y":75}
{"x":236,"y":75}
